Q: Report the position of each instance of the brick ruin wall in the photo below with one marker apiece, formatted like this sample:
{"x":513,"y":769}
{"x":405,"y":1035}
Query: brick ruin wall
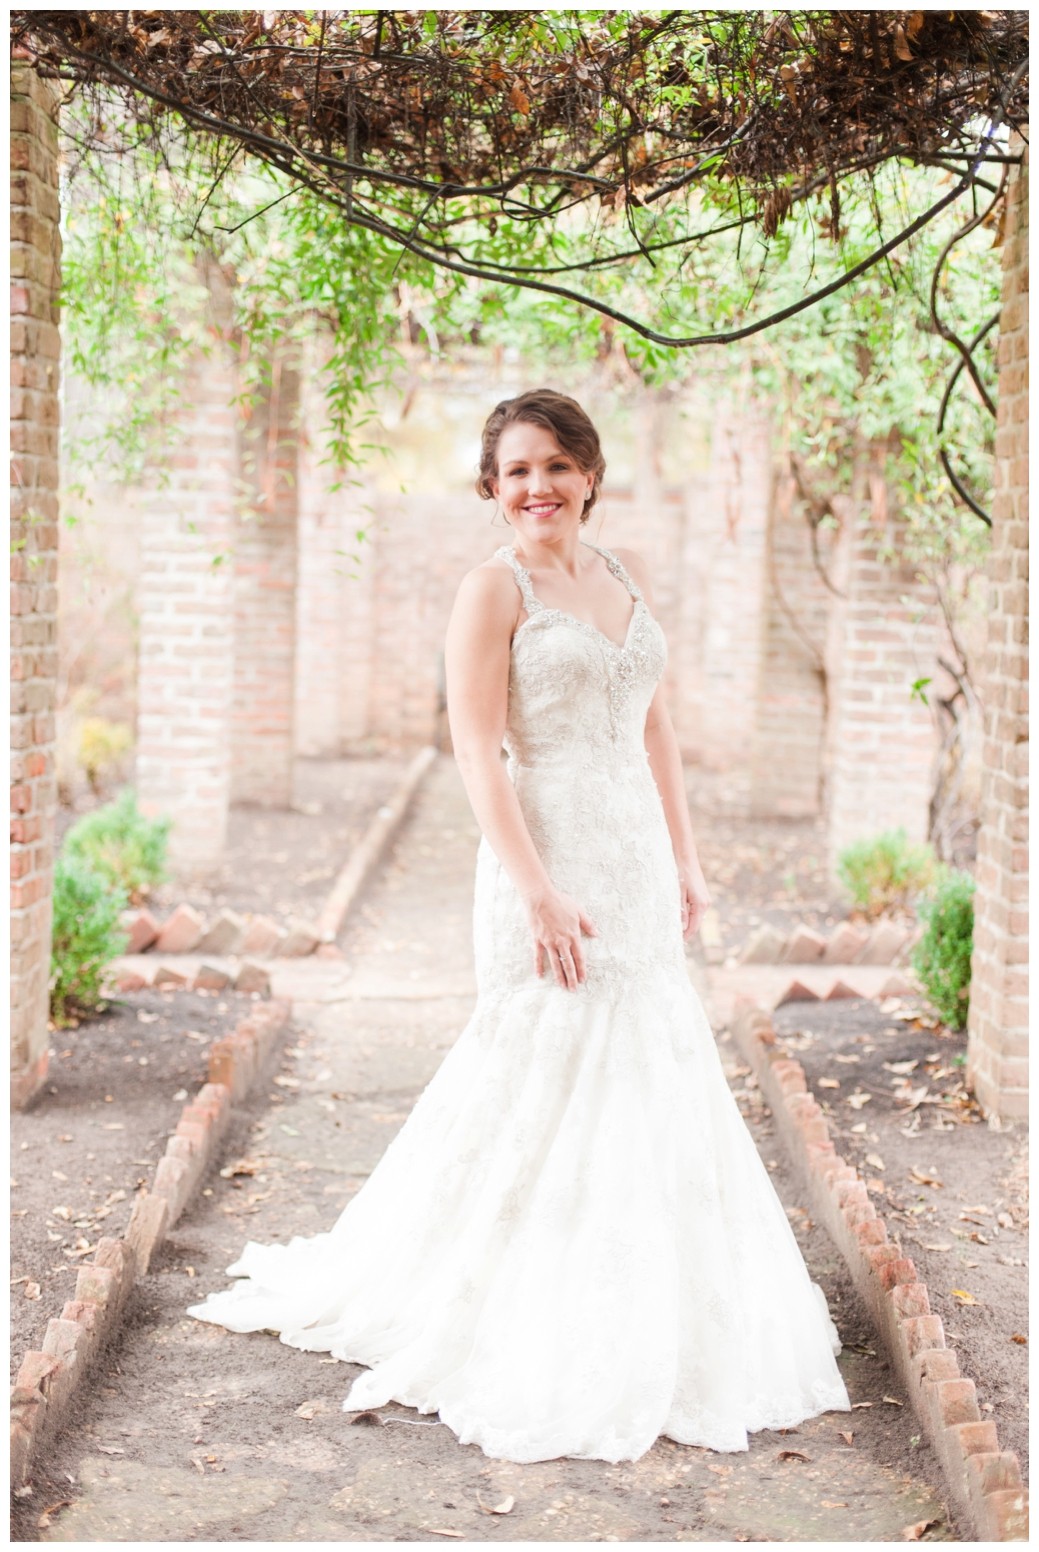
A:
{"x":35,"y":368}
{"x":997,"y":1062}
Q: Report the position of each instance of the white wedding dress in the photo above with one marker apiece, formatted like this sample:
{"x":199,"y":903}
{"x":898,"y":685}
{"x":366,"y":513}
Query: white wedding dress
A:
{"x":572,"y":1245}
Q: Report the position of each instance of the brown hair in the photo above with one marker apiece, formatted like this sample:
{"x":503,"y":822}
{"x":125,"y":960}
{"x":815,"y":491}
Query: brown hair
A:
{"x":558,"y":413}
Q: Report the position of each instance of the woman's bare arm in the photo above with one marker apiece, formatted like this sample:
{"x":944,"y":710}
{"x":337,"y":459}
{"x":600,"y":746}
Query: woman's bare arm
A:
{"x":476,"y":664}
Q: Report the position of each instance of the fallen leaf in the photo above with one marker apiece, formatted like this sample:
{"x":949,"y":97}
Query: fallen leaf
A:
{"x":902,"y":1068}
{"x":32,"y":1290}
{"x":505,"y":1507}
{"x":963,"y":1296}
{"x":308,"y":1410}
{"x":875,"y":1160}
{"x":891,"y":1400}
{"x":834,"y":1503}
{"x":857,"y":1404}
{"x":828,"y":1083}
{"x":110,"y":1449}
{"x":1017,"y":1337}
{"x":792,"y":1455}
{"x":857,"y":1100}
{"x":937,"y":1247}
{"x":848,"y":1437}
{"x":925,"y":1178}
{"x":914,"y":1532}
{"x":368,"y":1420}
{"x":292,"y":1132}
{"x":1004,"y":1220}
{"x":435,"y":1530}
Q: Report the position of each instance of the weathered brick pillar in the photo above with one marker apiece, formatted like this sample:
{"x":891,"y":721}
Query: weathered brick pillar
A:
{"x":186,"y":659}
{"x":786,"y":763}
{"x":35,"y":349}
{"x":997,"y":1050}
{"x":882,"y":739}
{"x":265,"y":572}
{"x":737,"y":499}
{"x":321,"y":564}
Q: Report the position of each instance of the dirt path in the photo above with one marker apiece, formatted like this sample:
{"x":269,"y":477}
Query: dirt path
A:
{"x":194,"y":1433}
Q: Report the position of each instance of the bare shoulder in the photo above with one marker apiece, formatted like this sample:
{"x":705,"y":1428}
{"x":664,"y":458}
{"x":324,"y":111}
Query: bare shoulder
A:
{"x":488,"y":594}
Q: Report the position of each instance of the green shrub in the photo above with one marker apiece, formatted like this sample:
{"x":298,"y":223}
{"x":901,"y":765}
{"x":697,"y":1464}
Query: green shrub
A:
{"x":885,"y":871}
{"x":942,"y":957}
{"x":120,"y":844}
{"x":86,"y":936}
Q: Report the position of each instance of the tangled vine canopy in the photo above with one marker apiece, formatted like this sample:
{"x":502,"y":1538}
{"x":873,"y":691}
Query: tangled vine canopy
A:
{"x":468,"y":137}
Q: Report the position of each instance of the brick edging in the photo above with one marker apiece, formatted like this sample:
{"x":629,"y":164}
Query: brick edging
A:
{"x":47,"y":1380}
{"x":366,"y":854}
{"x":983,"y":1480}
{"x":186,"y":931}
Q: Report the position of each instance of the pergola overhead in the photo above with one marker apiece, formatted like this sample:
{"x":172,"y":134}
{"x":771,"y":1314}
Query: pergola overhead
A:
{"x":418,"y":123}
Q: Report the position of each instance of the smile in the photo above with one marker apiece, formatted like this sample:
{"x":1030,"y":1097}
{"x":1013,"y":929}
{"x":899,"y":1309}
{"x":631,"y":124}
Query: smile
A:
{"x":543,"y":508}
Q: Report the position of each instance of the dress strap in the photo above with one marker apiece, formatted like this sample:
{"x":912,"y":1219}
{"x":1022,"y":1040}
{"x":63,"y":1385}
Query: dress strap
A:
{"x":617,"y":568}
{"x":522,"y":575}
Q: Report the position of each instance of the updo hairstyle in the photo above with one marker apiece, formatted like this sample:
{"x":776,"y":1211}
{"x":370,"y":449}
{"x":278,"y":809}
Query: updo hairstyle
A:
{"x":558,"y":413}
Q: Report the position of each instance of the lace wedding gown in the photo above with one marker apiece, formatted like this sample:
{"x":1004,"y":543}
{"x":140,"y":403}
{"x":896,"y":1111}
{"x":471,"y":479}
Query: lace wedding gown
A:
{"x":572,"y":1245}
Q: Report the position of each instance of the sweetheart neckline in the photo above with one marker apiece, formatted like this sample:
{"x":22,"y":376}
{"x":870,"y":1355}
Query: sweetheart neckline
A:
{"x":574,"y":619}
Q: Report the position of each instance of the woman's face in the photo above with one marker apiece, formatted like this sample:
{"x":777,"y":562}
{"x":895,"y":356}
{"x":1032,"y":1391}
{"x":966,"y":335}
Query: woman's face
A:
{"x":541,"y":488}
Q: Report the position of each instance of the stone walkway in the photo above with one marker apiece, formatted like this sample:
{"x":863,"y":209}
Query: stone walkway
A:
{"x":194,"y":1433}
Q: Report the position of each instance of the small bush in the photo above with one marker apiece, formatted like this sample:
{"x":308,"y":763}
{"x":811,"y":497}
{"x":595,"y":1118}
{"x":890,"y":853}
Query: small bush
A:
{"x":942,"y":957}
{"x":117,"y":842}
{"x":885,"y":871}
{"x":86,"y":936}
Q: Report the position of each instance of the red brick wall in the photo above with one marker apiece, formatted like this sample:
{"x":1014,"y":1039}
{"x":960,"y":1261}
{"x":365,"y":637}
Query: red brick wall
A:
{"x":997,"y":1064}
{"x":35,"y":346}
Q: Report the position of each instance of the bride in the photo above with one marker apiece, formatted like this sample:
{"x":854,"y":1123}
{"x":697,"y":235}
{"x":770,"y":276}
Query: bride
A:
{"x":572,"y":1245}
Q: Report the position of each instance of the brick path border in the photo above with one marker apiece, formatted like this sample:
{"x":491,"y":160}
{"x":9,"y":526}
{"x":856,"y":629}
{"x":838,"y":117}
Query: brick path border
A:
{"x":48,"y":1380}
{"x":983,"y":1480}
{"x":365,"y":856}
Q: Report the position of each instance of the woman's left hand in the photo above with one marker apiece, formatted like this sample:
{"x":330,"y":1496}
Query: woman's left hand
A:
{"x":694,"y":895}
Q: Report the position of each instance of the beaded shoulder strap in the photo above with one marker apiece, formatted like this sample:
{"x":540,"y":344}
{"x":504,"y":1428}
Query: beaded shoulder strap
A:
{"x":522,"y":575}
{"x":617,"y":568}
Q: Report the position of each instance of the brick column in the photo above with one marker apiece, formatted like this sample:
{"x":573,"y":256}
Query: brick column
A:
{"x":997,"y":1050}
{"x":321,"y":565}
{"x":265,"y":571}
{"x":737,"y":498}
{"x":786,"y":763}
{"x":882,"y":742}
{"x":187,"y":621}
{"x":35,"y":348}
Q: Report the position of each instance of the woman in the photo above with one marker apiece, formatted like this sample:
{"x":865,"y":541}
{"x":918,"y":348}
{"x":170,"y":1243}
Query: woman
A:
{"x":572,"y":1245}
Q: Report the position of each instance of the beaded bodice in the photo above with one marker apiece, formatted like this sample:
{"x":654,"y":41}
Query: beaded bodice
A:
{"x":575,"y":694}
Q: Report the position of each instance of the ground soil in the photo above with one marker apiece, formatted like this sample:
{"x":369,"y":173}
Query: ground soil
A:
{"x":282,"y":862}
{"x":193,"y":1433}
{"x":952,"y":1190}
{"x":113,"y":1095}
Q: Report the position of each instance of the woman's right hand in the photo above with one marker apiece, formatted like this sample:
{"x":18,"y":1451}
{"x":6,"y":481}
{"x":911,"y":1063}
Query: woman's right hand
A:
{"x":558,"y":923}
